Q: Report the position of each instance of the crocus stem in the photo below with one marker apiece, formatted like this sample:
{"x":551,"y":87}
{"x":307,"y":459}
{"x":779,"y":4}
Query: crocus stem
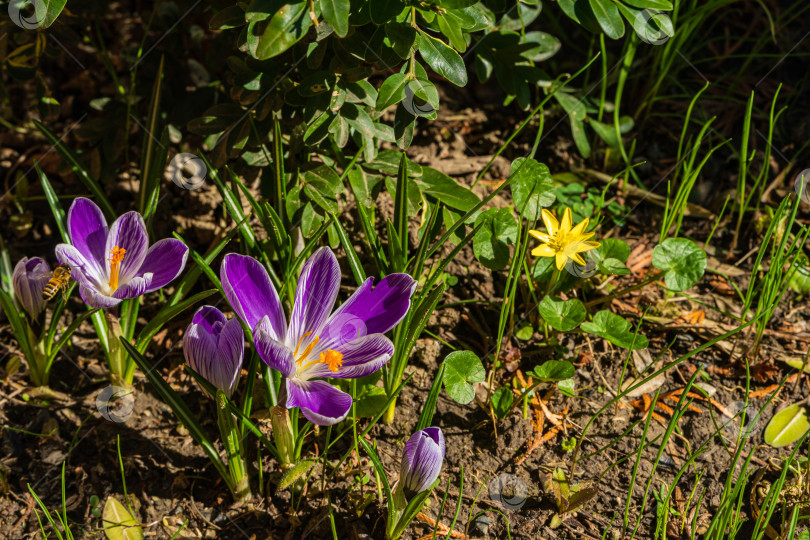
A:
{"x":37,"y":366}
{"x":233,"y":446}
{"x":388,"y":418}
{"x":395,"y":513}
{"x":116,"y":355}
{"x":283,"y":435}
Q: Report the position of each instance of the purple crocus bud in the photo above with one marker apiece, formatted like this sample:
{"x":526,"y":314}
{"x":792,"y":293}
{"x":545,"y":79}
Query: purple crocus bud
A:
{"x":422,"y":461}
{"x":30,"y":277}
{"x":318,"y":343}
{"x":214,"y":347}
{"x":116,"y":263}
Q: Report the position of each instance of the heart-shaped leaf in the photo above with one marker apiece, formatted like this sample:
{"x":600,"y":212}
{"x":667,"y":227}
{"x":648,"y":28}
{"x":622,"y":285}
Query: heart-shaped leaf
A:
{"x":682,"y":261}
{"x":532,"y":187}
{"x":119,"y":523}
{"x":787,"y":426}
{"x":462,"y":368}
{"x":562,"y":315}
{"x":502,"y":401}
{"x":553,"y":370}
{"x":491,"y":242}
{"x":615,"y":329}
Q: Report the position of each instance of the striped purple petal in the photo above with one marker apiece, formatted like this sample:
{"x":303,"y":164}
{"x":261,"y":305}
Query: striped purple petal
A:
{"x":374,"y":310}
{"x":214,"y":347}
{"x":88,"y":233}
{"x":164,"y":261}
{"x":422,"y":460}
{"x":128,"y":232}
{"x":251,"y":294}
{"x":320,"y":402}
{"x":273,"y":352}
{"x":29,"y":279}
{"x":315,"y":295}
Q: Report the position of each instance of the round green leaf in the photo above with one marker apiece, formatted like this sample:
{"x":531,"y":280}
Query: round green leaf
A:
{"x":787,"y":426}
{"x":532,"y":187}
{"x":491,"y":241}
{"x":502,"y":401}
{"x":462,"y":368}
{"x":554,"y":370}
{"x":615,"y":329}
{"x":562,"y":315}
{"x":682,"y":261}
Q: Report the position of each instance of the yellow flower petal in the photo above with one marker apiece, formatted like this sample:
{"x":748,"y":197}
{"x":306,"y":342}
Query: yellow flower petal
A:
{"x":543,"y":251}
{"x":579,"y":260}
{"x":565,"y":226}
{"x":551,"y":222}
{"x":578,"y":230}
{"x":560,"y":261}
{"x":540,"y":236}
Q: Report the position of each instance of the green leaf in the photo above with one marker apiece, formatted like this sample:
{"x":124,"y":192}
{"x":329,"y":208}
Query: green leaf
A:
{"x":610,"y":257}
{"x":402,"y":37}
{"x":391,"y":91}
{"x":525,"y":333}
{"x":608,"y":17}
{"x":371,"y":403}
{"x":462,"y":368}
{"x":336,"y":13}
{"x":502,"y":401}
{"x":448,"y":25}
{"x":663,"y":5}
{"x":298,"y":470}
{"x":18,"y":325}
{"x":365,"y":186}
{"x":615,"y":329}
{"x":787,"y":426}
{"x":532,"y":187}
{"x":562,"y":315}
{"x":554,"y":370}
{"x":442,"y":59}
{"x":44,"y":15}
{"x":382,"y":11}
{"x":683,"y":262}
{"x":445,"y":189}
{"x":285,"y":28}
{"x":491,"y":242}
{"x":119,"y":523}
{"x":53,"y":202}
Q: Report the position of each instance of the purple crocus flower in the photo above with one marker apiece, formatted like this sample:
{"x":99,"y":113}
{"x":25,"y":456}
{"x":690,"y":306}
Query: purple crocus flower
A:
{"x":214,"y":347}
{"x":114,"y":264}
{"x":347,"y":344}
{"x":30,"y":277}
{"x":422,"y":461}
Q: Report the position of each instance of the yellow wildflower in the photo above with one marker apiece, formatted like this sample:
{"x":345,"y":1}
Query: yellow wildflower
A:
{"x":563,"y":242}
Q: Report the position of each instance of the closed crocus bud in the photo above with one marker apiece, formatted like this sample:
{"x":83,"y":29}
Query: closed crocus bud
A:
{"x":422,"y":461}
{"x":30,"y":277}
{"x":214,"y":347}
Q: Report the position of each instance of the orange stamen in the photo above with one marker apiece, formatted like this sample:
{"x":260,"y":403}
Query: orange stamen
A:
{"x":116,"y":256}
{"x":333,"y":359}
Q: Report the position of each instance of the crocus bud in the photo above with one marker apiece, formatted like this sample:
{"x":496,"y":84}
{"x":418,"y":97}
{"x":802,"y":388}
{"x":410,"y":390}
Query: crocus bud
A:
{"x":422,"y":461}
{"x":214,"y":347}
{"x":30,"y":277}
